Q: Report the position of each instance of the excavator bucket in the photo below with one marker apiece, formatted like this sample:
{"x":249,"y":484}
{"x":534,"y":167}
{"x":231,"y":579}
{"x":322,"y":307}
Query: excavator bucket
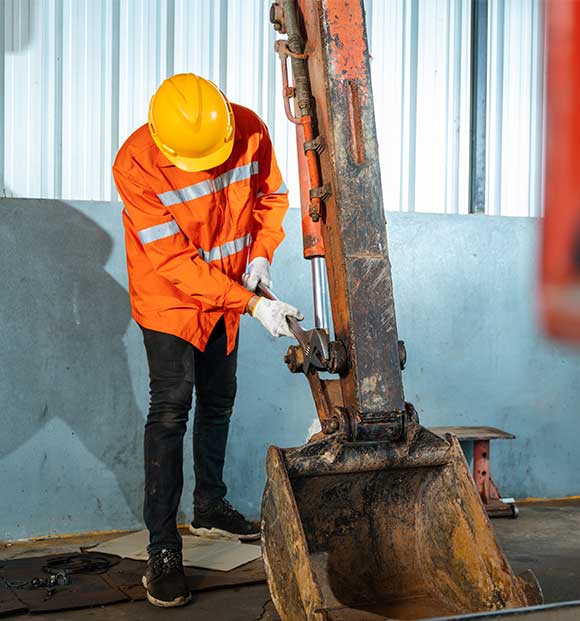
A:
{"x":369,"y":531}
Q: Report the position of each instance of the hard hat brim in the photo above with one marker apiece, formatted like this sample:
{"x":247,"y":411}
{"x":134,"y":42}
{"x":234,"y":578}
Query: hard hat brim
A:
{"x":197,"y":164}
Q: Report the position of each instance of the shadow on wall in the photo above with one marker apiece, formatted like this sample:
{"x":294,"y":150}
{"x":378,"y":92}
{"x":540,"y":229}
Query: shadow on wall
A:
{"x":62,"y":324}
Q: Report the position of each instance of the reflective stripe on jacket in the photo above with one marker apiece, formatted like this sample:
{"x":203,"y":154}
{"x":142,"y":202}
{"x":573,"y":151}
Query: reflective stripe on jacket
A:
{"x":189,"y":236}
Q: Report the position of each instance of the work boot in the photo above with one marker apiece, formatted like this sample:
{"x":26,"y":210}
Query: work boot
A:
{"x":165,"y":581}
{"x":220,"y":519}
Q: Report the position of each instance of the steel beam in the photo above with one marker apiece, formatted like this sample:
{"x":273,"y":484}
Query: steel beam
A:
{"x":479,"y":13}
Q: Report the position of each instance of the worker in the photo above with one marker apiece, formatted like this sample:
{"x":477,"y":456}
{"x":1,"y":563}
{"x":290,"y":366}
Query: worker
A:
{"x":204,"y":203}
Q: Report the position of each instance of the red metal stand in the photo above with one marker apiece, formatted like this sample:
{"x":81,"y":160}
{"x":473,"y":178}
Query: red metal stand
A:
{"x":487,"y":489}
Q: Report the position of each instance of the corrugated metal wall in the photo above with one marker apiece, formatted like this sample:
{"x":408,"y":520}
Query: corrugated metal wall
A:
{"x":515,"y":119}
{"x":77,"y":76}
{"x":421,"y":69}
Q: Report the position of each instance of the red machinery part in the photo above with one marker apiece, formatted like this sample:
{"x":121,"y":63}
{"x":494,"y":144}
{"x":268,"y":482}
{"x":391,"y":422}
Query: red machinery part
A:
{"x":308,"y":164}
{"x":311,"y":231}
{"x":560,"y":263}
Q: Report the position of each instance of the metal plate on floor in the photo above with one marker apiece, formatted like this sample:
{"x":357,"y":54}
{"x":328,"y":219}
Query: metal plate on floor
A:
{"x":562,"y":611}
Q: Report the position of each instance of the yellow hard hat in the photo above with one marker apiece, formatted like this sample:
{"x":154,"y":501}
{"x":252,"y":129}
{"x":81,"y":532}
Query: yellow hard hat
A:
{"x":192,"y":123}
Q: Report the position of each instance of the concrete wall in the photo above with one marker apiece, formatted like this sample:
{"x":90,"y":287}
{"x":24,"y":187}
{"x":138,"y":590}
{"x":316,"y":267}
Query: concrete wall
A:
{"x":73,"y":380}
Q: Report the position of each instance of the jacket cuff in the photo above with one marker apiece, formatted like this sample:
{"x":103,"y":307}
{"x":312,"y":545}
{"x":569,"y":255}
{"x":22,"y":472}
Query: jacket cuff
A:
{"x":238,"y":297}
{"x":261,"y":249}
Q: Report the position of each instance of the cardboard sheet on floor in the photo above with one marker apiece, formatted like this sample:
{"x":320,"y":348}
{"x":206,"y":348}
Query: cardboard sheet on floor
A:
{"x":126,"y":576}
{"x":215,"y":554}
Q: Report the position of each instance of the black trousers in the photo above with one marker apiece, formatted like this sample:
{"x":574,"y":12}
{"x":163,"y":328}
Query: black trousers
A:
{"x":175,"y":366}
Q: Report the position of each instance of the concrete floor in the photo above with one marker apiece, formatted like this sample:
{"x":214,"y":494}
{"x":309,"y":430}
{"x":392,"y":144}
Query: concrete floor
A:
{"x":545,"y":538}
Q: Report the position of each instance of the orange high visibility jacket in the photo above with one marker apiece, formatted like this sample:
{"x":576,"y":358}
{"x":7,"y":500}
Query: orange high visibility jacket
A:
{"x":189,"y":236}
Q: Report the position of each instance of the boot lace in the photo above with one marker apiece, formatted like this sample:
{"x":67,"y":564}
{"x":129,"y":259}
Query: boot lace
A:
{"x":230,"y":512}
{"x":166,"y":560}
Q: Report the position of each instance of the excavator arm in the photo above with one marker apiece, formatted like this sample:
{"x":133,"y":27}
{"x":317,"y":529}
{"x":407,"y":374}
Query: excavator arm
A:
{"x":376,"y":517}
{"x":340,"y":149}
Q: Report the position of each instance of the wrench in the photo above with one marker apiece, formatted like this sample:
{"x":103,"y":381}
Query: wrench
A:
{"x":314,"y":343}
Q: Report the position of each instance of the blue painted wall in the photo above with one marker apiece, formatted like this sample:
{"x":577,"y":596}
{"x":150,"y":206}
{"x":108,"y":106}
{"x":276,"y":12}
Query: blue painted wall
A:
{"x":73,"y":379}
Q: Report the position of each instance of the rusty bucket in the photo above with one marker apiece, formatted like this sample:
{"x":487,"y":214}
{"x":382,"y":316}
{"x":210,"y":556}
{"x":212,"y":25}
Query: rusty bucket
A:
{"x":376,"y":530}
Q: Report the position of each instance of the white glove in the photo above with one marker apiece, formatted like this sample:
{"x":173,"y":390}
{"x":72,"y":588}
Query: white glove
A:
{"x":258,"y":271}
{"x":272,"y":315}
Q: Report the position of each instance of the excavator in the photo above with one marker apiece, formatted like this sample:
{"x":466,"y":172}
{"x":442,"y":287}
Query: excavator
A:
{"x":375,"y":517}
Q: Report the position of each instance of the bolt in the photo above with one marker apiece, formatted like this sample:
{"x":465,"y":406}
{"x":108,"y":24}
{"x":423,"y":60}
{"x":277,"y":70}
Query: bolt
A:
{"x":277,"y":17}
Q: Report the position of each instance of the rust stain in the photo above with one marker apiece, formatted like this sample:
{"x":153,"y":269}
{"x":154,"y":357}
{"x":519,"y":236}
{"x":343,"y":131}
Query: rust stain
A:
{"x":312,"y":240}
{"x":346,"y":22}
{"x":354,"y":115}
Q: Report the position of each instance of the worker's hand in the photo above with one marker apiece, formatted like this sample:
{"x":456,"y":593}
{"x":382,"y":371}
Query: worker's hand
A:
{"x":272,"y":315}
{"x":258,"y":271}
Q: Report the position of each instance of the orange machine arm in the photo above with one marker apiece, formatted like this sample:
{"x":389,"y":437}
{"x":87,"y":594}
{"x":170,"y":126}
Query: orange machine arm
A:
{"x":560,"y":264}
